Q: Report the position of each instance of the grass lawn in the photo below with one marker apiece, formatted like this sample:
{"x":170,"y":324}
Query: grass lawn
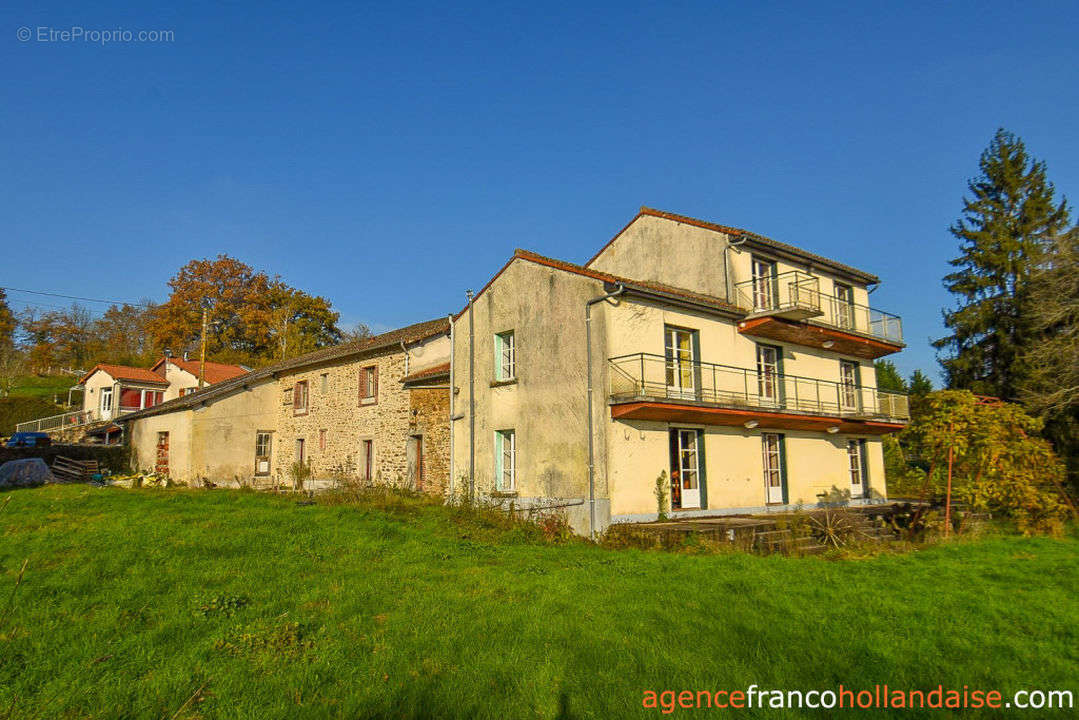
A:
{"x":45,"y":387}
{"x":222,"y":604}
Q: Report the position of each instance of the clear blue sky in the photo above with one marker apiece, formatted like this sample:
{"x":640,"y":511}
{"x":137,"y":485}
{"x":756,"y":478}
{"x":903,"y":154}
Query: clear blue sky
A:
{"x":390,"y":156}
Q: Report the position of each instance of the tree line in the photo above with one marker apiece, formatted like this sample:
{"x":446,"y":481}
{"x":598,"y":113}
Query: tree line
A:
{"x":251,"y":319}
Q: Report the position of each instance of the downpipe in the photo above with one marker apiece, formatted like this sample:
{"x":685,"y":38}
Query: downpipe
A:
{"x":591,"y":441}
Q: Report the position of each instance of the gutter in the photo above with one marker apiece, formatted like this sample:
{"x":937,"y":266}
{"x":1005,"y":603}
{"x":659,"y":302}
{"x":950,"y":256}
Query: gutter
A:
{"x":591,"y":440}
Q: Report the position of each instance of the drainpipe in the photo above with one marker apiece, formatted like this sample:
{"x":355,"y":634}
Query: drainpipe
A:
{"x":471,"y":400}
{"x":591,"y":442}
{"x":453,"y":394}
{"x":726,"y":272}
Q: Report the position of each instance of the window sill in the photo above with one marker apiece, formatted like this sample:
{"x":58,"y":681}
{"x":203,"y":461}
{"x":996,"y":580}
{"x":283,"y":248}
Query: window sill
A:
{"x":504,"y":494}
{"x":299,"y":413}
{"x":503,"y":383}
{"x":368,"y":401}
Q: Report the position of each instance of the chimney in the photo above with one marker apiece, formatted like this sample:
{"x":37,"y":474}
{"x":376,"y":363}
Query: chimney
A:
{"x":185,"y":355}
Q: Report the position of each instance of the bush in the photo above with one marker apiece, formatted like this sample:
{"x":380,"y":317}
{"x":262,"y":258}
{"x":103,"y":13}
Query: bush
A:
{"x":14,"y":410}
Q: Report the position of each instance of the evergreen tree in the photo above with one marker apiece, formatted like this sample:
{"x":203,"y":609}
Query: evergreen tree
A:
{"x":920,"y":384}
{"x":1003,"y":232}
{"x":7,"y":323}
{"x":888,"y":377}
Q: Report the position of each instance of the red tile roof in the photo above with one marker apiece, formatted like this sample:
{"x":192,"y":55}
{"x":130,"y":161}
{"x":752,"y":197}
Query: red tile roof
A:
{"x":125,"y":372}
{"x":427,"y":373}
{"x":215,"y":372}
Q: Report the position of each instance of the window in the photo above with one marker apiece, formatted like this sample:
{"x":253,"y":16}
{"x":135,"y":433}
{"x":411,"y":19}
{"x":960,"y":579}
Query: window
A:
{"x":764,"y":284}
{"x":299,"y":398}
{"x":367,"y":459}
{"x":844,"y":306}
{"x":324,"y":383}
{"x":152,"y":397}
{"x":505,"y":356}
{"x":301,"y":454}
{"x":774,"y":470}
{"x":263,"y":442}
{"x":768,"y":374}
{"x":859,"y":482}
{"x":321,"y":440}
{"x":369,"y":385}
{"x":106,"y":400}
{"x":848,"y":388}
{"x":189,"y":390}
{"x":680,"y":350}
{"x":505,"y":460}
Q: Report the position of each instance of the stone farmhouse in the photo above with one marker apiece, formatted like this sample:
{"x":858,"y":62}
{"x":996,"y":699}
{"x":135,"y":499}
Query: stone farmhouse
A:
{"x":730,"y":372}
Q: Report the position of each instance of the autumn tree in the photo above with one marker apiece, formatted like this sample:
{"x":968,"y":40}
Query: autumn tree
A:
{"x":122,"y":335}
{"x":7,"y":324}
{"x":1003,"y":230}
{"x":999,"y":462}
{"x":59,"y":338}
{"x":253,"y":318}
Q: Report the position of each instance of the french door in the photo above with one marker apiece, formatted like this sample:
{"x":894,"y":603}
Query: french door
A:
{"x":855,"y":448}
{"x":764,"y":284}
{"x":768,"y":380}
{"x":686,"y":470}
{"x":844,"y":306}
{"x":773,"y":468}
{"x":681,"y":375}
{"x":848,"y":387}
{"x":106,"y":403}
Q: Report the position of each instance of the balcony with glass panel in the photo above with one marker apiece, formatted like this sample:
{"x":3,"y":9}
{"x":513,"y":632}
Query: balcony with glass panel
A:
{"x":790,"y":307}
{"x":644,"y":386}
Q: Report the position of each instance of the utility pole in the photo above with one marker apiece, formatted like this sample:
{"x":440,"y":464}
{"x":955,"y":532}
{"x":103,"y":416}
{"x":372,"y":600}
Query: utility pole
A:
{"x":202,"y":352}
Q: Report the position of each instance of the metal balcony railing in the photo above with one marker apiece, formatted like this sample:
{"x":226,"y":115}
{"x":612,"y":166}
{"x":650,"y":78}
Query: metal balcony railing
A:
{"x":797,"y":295}
{"x":55,"y":423}
{"x":647,"y":376}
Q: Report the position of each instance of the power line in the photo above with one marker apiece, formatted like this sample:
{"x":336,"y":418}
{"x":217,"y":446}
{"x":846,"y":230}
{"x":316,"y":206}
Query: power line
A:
{"x":77,"y":297}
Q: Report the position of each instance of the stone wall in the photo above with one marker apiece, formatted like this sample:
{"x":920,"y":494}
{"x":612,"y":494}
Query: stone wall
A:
{"x":337,"y":422}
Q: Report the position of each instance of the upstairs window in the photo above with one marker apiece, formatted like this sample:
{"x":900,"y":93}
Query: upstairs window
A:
{"x":505,"y":356}
{"x":369,"y":385}
{"x":299,"y":398}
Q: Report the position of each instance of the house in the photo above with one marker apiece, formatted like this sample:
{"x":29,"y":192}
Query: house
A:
{"x":376,"y":410}
{"x":733,"y":372}
{"x":182,"y":374}
{"x":112,"y":390}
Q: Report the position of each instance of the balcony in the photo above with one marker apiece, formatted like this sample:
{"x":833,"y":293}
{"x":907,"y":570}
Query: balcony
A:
{"x":790,"y":307}
{"x":651,"y":387}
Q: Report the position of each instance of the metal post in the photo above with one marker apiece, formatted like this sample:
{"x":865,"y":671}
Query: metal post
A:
{"x":202,"y":352}
{"x":591,"y":443}
{"x":471,"y":399}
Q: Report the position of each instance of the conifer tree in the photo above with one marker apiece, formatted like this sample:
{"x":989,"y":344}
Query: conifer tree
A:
{"x":1003,"y":231}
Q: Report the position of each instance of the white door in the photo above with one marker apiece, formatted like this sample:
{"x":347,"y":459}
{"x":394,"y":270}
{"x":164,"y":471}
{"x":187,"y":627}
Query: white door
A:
{"x":689,"y":471}
{"x":764,"y":295}
{"x":681,"y":380}
{"x":106,"y":403}
{"x":844,"y":306}
{"x":857,"y":482}
{"x":773,"y":468}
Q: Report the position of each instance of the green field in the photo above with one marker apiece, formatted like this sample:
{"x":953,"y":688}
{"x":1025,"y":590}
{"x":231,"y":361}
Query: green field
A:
{"x":222,"y":604}
{"x":46,"y":387}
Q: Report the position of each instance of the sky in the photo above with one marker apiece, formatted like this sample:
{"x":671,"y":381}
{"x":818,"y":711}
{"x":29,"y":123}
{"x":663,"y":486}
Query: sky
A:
{"x":390,"y":156}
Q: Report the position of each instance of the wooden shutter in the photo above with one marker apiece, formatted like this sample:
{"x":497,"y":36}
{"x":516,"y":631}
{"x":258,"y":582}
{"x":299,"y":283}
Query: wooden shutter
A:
{"x":374,"y":385}
{"x":702,"y":473}
{"x":295,"y":397}
{"x":783,"y":467}
{"x":363,"y":384}
{"x":862,"y":452}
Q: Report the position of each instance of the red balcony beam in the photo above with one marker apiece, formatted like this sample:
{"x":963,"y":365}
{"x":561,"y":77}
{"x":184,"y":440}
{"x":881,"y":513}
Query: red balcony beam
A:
{"x":811,"y":335}
{"x":766,"y":420}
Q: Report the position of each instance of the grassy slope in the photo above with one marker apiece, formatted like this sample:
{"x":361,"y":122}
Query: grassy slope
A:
{"x":411,"y":614}
{"x":45,"y":386}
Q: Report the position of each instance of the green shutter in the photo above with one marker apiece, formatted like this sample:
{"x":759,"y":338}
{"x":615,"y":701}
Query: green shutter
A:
{"x":498,"y":361}
{"x":863,"y":451}
{"x":702,"y":472}
{"x":695,"y":343}
{"x":781,"y":381}
{"x":498,"y":460}
{"x":783,"y":467}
